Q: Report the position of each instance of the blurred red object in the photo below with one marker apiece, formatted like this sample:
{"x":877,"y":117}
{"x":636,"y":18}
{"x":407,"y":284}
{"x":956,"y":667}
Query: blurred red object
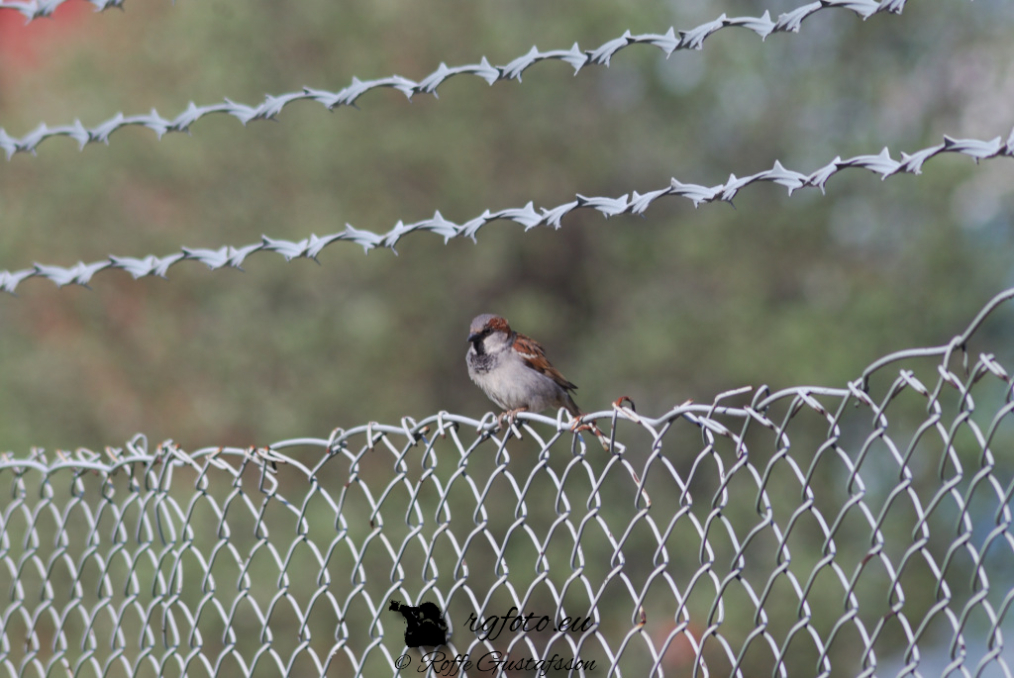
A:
{"x":24,"y":46}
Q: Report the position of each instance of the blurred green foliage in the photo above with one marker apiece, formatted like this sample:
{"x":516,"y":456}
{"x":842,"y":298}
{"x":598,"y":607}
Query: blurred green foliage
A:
{"x":681,"y":303}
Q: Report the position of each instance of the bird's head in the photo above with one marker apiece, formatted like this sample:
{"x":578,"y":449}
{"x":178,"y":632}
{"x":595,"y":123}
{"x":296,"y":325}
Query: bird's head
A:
{"x":488,"y":333}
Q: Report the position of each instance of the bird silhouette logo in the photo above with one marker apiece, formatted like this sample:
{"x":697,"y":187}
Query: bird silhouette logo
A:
{"x":425,"y":624}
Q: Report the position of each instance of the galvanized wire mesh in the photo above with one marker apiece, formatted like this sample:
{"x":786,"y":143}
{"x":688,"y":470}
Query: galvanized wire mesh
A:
{"x":853,"y":531}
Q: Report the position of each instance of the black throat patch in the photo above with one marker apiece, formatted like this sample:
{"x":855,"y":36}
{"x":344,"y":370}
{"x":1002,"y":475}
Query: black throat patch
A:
{"x":480,"y":362}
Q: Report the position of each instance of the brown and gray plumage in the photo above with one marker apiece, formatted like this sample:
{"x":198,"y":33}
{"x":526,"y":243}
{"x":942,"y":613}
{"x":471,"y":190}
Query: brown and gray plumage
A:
{"x":513,"y":371}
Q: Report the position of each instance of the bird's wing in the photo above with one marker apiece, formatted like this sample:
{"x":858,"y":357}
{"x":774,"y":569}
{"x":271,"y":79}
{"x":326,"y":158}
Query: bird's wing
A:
{"x":534,"y":356}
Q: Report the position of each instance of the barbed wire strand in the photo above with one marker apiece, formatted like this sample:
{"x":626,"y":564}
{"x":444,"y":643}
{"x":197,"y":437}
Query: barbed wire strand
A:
{"x":633,"y":203}
{"x":668,"y":42}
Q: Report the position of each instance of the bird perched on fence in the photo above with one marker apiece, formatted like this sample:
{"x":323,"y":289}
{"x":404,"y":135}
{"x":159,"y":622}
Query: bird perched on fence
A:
{"x":513,"y":371}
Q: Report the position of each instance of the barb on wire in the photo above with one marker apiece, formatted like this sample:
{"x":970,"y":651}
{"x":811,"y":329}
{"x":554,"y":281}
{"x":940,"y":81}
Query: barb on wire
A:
{"x":36,"y":9}
{"x":527,"y":216}
{"x":791,"y":516}
{"x":668,"y":42}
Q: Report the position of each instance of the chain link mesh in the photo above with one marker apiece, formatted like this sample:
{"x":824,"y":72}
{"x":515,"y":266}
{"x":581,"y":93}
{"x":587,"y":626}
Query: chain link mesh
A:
{"x":852,"y":531}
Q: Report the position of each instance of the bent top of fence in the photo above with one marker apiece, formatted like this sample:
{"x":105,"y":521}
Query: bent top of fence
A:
{"x":858,"y":530}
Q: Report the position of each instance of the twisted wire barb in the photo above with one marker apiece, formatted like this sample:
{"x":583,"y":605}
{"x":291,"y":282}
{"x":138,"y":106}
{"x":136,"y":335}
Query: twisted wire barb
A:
{"x":527,"y":216}
{"x":694,"y":38}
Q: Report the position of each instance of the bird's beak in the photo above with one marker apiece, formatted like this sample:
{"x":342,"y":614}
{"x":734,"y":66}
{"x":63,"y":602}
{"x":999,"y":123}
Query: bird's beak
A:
{"x":472,"y":337}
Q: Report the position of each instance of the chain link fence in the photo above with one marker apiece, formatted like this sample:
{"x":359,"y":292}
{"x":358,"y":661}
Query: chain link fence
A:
{"x":853,"y":531}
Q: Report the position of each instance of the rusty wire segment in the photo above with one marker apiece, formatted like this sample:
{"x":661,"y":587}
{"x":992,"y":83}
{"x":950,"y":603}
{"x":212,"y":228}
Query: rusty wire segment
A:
{"x":527,"y":216}
{"x":858,"y":530}
{"x":668,"y":42}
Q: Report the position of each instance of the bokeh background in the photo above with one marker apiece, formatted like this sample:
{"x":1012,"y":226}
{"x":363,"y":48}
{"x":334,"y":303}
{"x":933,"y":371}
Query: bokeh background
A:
{"x":680,"y":303}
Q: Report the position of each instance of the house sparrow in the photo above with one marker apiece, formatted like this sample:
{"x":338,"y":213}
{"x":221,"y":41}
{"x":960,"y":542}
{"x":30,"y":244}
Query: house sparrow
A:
{"x":513,"y":371}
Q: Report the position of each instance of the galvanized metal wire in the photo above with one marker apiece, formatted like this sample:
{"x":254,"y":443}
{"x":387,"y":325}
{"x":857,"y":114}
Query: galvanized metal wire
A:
{"x":527,"y":216}
{"x":857,"y":530}
{"x":763,"y":26}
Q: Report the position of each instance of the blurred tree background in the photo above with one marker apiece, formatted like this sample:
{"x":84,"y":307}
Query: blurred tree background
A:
{"x":680,"y":303}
